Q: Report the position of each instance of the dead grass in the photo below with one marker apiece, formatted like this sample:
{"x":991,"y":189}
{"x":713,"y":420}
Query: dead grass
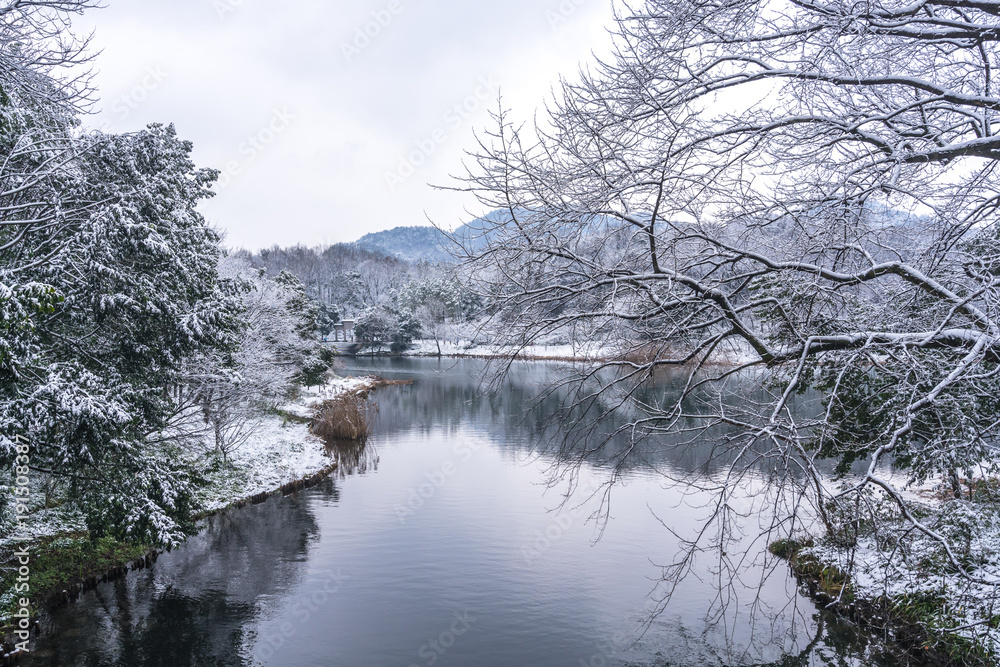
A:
{"x":648,"y":353}
{"x":347,"y":417}
{"x":382,"y":382}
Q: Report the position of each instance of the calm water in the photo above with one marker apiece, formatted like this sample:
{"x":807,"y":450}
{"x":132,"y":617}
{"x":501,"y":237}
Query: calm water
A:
{"x":439,"y":545}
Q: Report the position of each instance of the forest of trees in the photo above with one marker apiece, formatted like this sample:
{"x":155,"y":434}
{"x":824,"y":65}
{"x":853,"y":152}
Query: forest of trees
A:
{"x":393,"y":301}
{"x":130,"y":343}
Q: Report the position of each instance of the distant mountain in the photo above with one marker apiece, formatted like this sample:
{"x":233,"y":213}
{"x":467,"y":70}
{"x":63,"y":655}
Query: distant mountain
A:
{"x":428,"y":243}
{"x":410,"y":243}
{"x":414,"y":244}
{"x":477,"y":233}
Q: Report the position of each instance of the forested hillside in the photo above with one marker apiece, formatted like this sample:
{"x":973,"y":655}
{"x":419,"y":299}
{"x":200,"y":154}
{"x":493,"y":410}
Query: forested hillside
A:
{"x":392,"y":300}
{"x":132,"y":349}
{"x":413,"y":244}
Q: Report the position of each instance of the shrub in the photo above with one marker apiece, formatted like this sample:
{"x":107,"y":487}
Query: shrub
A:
{"x":347,"y":417}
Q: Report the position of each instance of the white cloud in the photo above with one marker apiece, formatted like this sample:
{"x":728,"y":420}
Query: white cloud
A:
{"x":220,"y":79}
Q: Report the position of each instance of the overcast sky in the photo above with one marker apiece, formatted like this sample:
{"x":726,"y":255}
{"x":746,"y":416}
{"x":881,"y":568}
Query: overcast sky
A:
{"x":325,"y":133}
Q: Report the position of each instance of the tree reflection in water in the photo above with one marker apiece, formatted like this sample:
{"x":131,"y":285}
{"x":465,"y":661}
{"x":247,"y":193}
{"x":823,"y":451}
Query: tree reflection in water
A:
{"x":199,"y":604}
{"x":835,"y":642}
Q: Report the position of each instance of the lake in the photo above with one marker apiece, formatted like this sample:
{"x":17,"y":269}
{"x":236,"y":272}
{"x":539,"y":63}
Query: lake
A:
{"x":448,"y":539}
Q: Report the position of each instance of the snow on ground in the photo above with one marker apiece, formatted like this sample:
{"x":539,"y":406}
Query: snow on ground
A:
{"x":301,"y":407}
{"x":278,"y":452}
{"x":895,"y":565}
{"x":585,"y":351}
{"x":44,"y":523}
{"x":732,"y":352}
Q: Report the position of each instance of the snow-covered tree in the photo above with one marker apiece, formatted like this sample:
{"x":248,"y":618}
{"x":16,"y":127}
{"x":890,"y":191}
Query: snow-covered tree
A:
{"x":337,"y":275}
{"x":135,"y":283}
{"x":378,"y":328}
{"x":326,"y":318}
{"x":435,"y":301}
{"x":43,"y":198}
{"x":805,"y":189}
{"x":223,"y":391}
{"x":102,"y":265}
{"x":445,"y":294}
{"x":116,"y":319}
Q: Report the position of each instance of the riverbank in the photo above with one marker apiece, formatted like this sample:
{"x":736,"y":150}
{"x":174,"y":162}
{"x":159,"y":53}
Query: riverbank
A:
{"x":579,"y":352}
{"x":280,"y":455}
{"x":469,"y":349}
{"x":936,"y":608}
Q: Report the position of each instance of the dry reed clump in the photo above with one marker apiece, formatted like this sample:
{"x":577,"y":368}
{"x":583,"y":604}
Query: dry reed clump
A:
{"x":347,"y":417}
{"x":648,"y":353}
{"x":382,"y":382}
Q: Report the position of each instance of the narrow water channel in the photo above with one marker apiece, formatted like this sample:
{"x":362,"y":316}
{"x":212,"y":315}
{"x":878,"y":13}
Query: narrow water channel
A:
{"x":440,"y":543}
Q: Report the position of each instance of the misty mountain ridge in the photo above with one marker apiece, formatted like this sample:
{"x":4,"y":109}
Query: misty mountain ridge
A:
{"x":426,"y":243}
{"x":413,"y":244}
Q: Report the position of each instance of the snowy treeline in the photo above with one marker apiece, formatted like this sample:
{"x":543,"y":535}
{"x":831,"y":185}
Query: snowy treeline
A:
{"x":393,"y":301}
{"x":129,"y":343}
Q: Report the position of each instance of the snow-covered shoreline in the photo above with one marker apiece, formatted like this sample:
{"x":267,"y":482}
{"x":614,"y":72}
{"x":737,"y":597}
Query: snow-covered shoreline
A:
{"x":588,"y":351}
{"x":280,"y":453}
{"x":281,"y":450}
{"x":909,"y":588}
{"x":468,"y":350}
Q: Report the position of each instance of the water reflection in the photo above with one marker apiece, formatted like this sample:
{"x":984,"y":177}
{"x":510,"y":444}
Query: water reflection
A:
{"x":542,"y":411}
{"x":196,"y":606}
{"x":444,"y":512}
{"x":833,"y":642}
{"x":353,"y":457}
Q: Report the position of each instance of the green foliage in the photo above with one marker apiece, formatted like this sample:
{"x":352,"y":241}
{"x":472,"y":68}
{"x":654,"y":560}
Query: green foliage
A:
{"x":406,"y":329}
{"x":67,"y":559}
{"x":787,"y":548}
{"x":299,"y":304}
{"x":868,"y":401}
{"x":313,"y":371}
{"x":21,"y":306}
{"x":326,"y":317}
{"x":377,"y":327}
{"x":128,"y":297}
{"x":932,"y":612}
{"x":829,"y":579}
{"x":150,"y":502}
